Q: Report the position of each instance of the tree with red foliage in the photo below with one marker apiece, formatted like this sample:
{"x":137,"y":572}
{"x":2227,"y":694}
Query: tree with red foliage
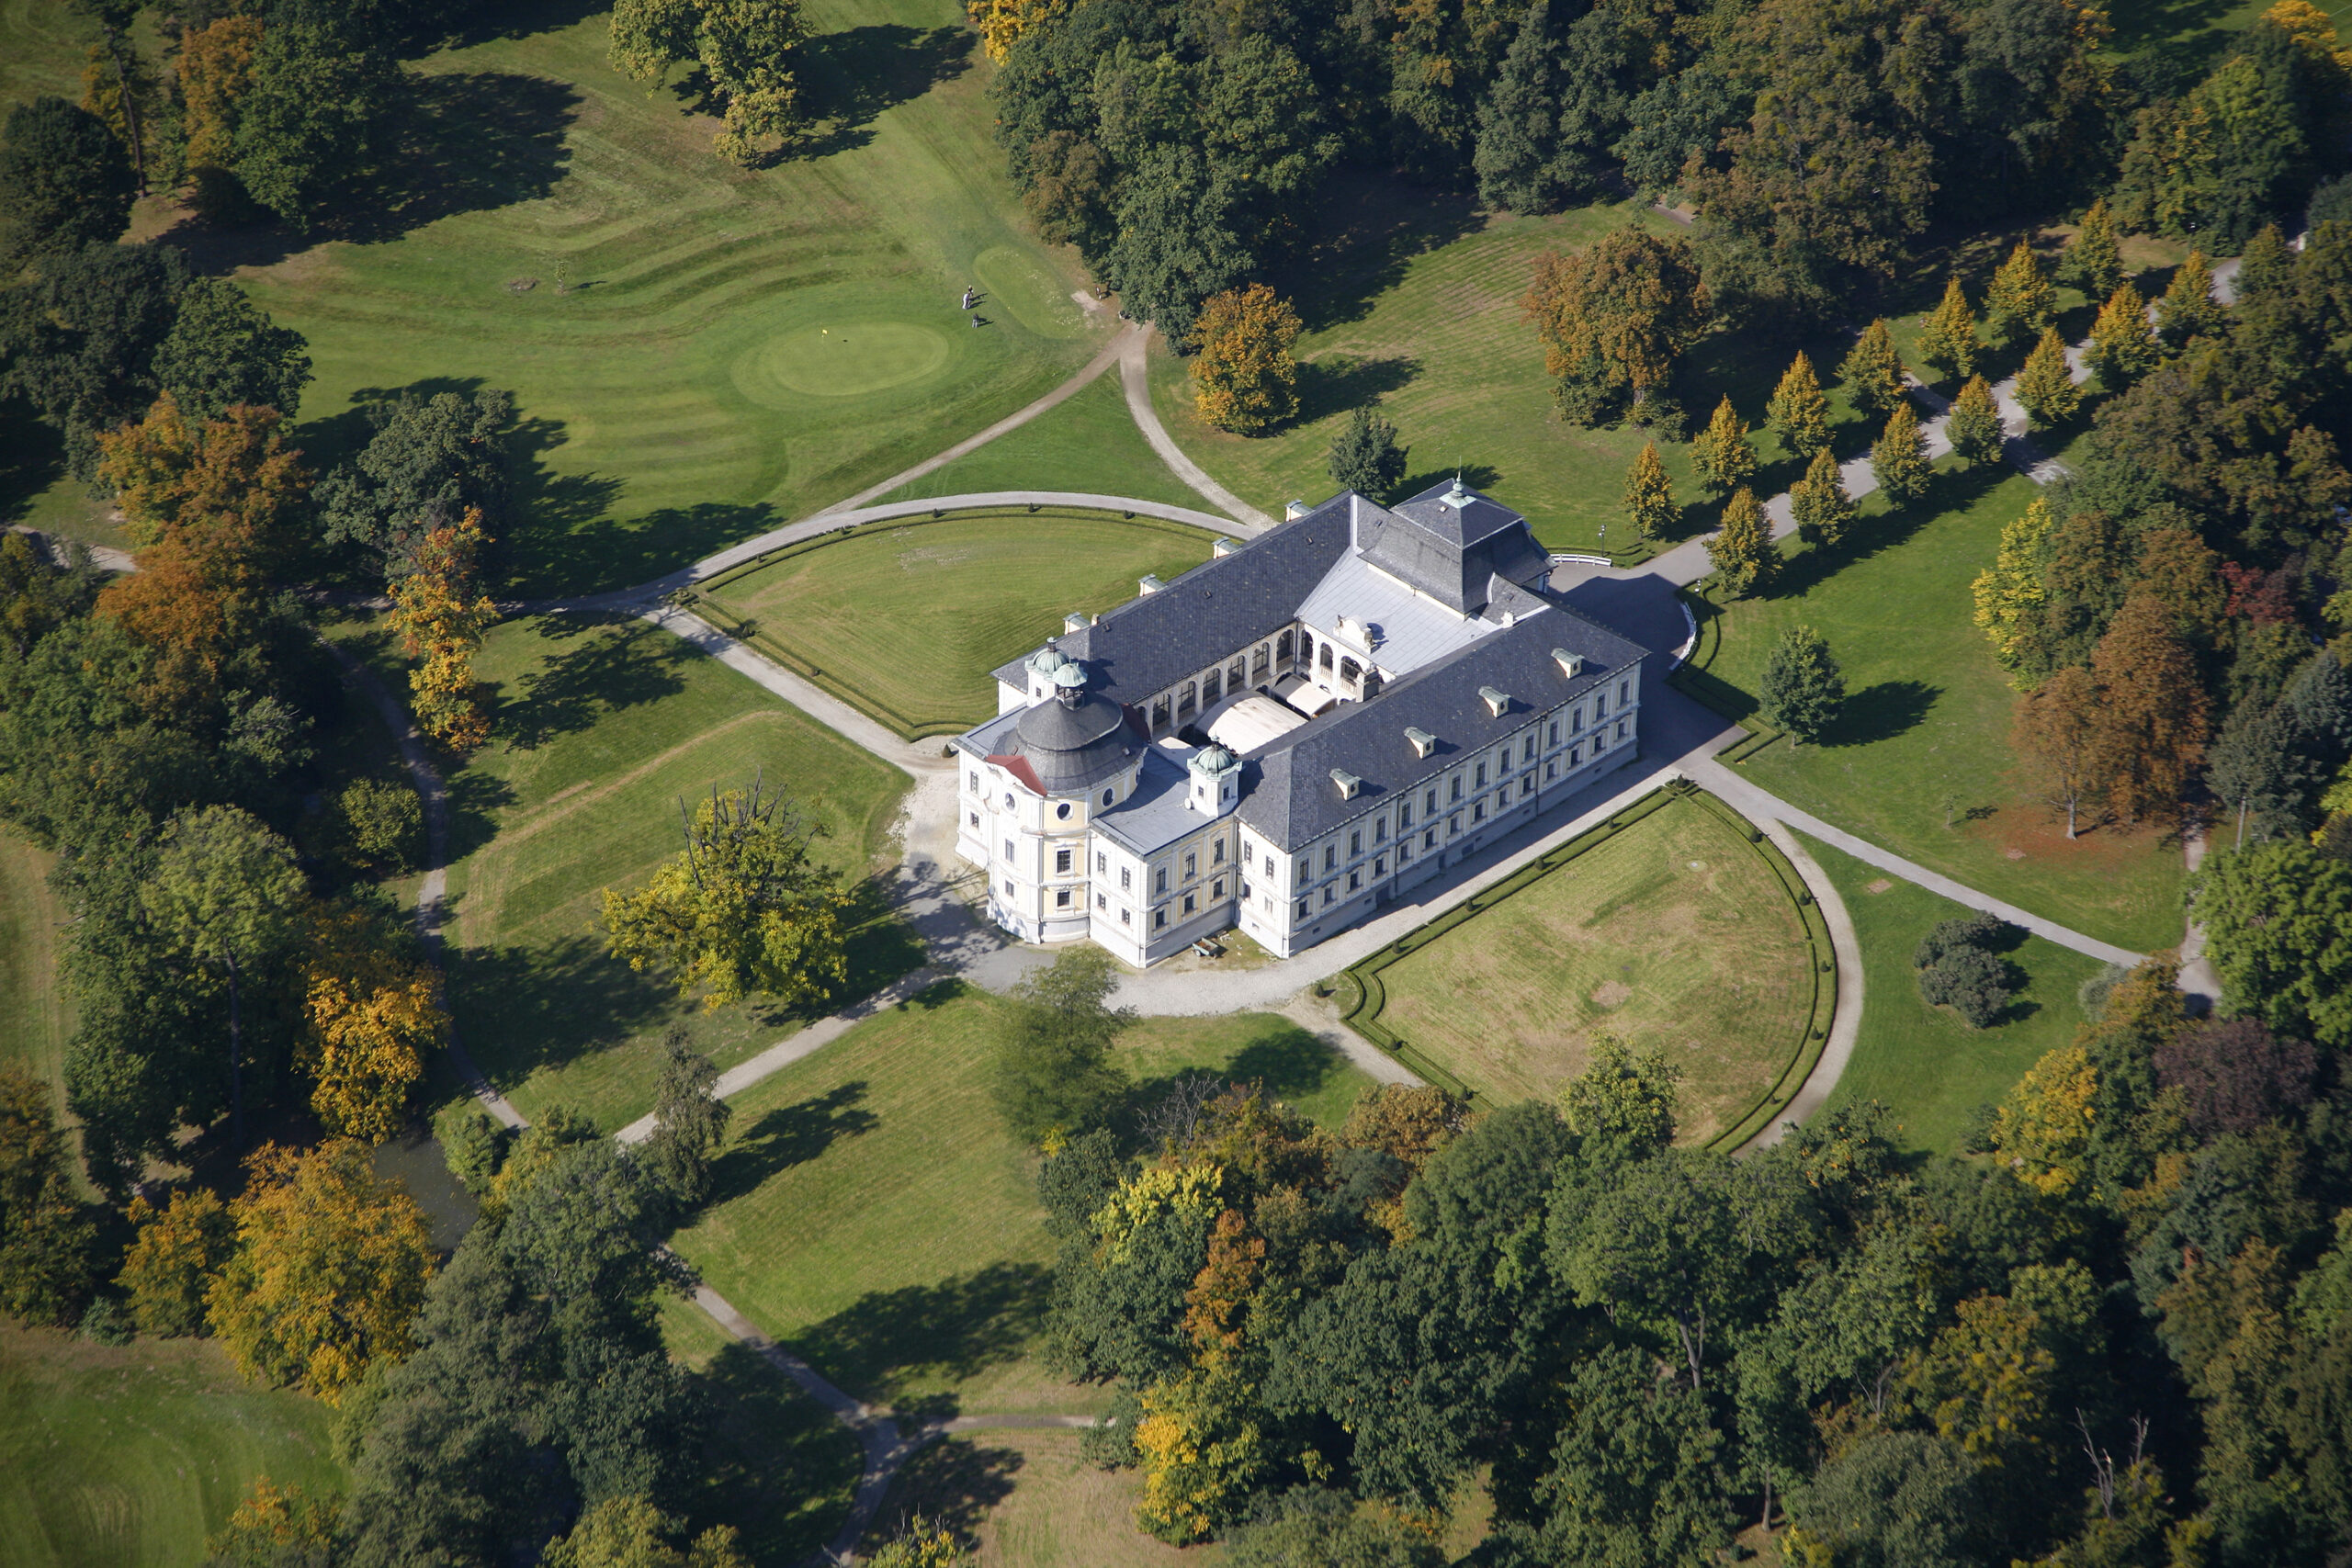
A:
{"x":2235,"y":1074}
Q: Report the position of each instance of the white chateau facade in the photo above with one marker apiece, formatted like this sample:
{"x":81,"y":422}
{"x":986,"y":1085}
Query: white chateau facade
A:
{"x":1288,"y":736}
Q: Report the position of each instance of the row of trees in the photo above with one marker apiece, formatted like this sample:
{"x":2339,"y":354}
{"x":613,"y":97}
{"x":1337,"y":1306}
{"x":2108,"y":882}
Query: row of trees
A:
{"x":2120,"y":1336}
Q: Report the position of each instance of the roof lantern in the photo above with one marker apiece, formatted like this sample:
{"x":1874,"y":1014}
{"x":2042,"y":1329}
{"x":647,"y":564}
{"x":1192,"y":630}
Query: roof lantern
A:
{"x":1070,"y":682}
{"x":1047,"y":660}
{"x":1214,"y":760}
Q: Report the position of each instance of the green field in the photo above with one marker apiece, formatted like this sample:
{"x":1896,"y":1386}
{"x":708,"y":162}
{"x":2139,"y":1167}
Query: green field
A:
{"x":599,"y":730}
{"x":1030,"y":1500}
{"x":131,"y":1455}
{"x":35,"y":1021}
{"x":1089,"y":445}
{"x":907,"y":619}
{"x":1674,"y":934}
{"x":1922,"y":1063}
{"x":875,"y":1215}
{"x":1919,"y":762}
{"x":705,"y":351}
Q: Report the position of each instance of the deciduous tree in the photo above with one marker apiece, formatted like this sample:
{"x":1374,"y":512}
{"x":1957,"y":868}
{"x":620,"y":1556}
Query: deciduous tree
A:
{"x":1798,"y":413}
{"x":1054,"y":1072}
{"x":746,"y":49}
{"x":374,"y":1017}
{"x":429,"y":458}
{"x":1621,"y":1104}
{"x":64,"y":180}
{"x":331,"y":1267}
{"x":1615,"y":316}
{"x":441,"y":612}
{"x":1742,"y":551}
{"x":2057,"y":734}
{"x":2278,"y":921}
{"x":2154,"y":716}
{"x":1973,"y":427}
{"x":1899,"y":460}
{"x":47,"y":1237}
{"x":1803,"y":688}
{"x":314,"y":121}
{"x":2123,"y":347}
{"x":1002,"y":23}
{"x":216,"y":69}
{"x":1649,"y":495}
{"x":1873,"y":371}
{"x":743,"y":909}
{"x":630,"y":1532}
{"x":2042,"y":1130}
{"x":2046,"y":387}
{"x":1244,"y":379}
{"x":179,"y":1251}
{"x":1365,"y":456}
{"x":1948,"y":339}
{"x":1823,"y":511}
{"x":1721,"y":454}
{"x":690,"y":1122}
{"x":2094,"y":257}
{"x":224,"y":350}
{"x":2234,"y":1073}
{"x":2019,"y":303}
{"x":276,"y":1526}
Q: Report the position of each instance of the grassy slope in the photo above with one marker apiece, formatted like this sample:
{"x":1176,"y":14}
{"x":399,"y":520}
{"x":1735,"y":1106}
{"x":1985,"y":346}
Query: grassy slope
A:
{"x":1922,"y":1063}
{"x":1925,"y":733}
{"x":34,"y":1018}
{"x":876,"y":1216}
{"x":1088,"y":444}
{"x":735,"y":347}
{"x":131,"y":1455}
{"x":1673,"y":934}
{"x":911,"y":618}
{"x":600,"y":729}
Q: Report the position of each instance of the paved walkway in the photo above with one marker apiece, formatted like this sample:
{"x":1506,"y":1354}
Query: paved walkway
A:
{"x":1135,"y":370}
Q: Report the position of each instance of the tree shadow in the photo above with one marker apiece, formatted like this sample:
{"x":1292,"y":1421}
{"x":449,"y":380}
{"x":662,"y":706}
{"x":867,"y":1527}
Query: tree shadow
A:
{"x":549,"y":556}
{"x":1882,"y":712}
{"x":475,"y":799}
{"x":1476,"y":475}
{"x":519,"y":18}
{"x":786,"y":1137}
{"x":1367,"y":229}
{"x":886,"y":1340}
{"x":32,"y":458}
{"x":469,"y":141}
{"x":774,"y":1465}
{"x":548,"y":1003}
{"x":613,"y":662}
{"x":952,"y":1485}
{"x":1289,"y":1061}
{"x":1339,"y":382}
{"x":850,"y":77}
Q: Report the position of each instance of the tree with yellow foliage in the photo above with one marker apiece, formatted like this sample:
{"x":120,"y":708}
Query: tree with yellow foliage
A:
{"x":372,"y":1017}
{"x":2046,"y":385}
{"x":1742,"y":552}
{"x":1899,"y":461}
{"x":1004,"y":23}
{"x":330,"y":1269}
{"x":275,"y":1524}
{"x":1203,"y":1453}
{"x":1948,"y":340}
{"x":1244,"y":379}
{"x":1649,"y":495}
{"x":2042,"y":1129}
{"x":2020,"y":301}
{"x":1721,"y":452}
{"x":178,"y":1251}
{"x":440,"y":615}
{"x":2010,"y":594}
{"x":1798,"y":412}
{"x":630,"y":1532}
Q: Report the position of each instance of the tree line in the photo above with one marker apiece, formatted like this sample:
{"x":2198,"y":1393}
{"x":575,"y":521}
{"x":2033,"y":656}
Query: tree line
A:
{"x":2117,"y":1331}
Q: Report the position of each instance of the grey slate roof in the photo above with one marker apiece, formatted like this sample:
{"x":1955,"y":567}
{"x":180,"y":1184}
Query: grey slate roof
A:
{"x":1071,"y":746}
{"x":1157,"y":814}
{"x":1288,"y":794}
{"x":1451,"y":543}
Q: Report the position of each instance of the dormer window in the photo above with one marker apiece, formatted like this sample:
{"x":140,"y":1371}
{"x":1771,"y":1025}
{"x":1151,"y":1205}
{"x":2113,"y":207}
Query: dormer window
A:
{"x":1571,"y":664}
{"x":1497,"y":702}
{"x":1349,"y":783}
{"x":1423,"y":741}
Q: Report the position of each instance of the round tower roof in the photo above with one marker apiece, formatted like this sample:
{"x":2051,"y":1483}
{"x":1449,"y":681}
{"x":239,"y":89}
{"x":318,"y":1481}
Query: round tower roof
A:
{"x":1213,"y":760}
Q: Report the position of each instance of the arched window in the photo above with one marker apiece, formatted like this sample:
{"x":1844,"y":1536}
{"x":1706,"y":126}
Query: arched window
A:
{"x":1350,"y":671}
{"x":1283,"y":646}
{"x":1185,"y":701}
{"x":1211,"y":689}
{"x":1323,"y":655}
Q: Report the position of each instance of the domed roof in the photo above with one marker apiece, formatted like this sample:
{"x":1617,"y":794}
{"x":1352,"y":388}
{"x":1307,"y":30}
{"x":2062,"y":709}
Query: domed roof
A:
{"x":1213,"y":758}
{"x":1071,"y":674}
{"x":1072,"y":744}
{"x":1047,"y":660}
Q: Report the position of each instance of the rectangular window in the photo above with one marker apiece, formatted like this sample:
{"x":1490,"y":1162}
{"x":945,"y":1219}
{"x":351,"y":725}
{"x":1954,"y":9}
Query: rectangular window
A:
{"x":1576,"y":719}
{"x":1599,"y":708}
{"x":1621,"y":729}
{"x":1126,"y":879}
{"x":1242,"y":893}
{"x":1192,"y":866}
{"x":1457,"y":788}
{"x":1454,"y":823}
{"x":1159,"y":919}
{"x":1624,"y":690}
{"x":1527,"y":786}
{"x":1429,"y":805}
{"x":1007,"y":887}
{"x":1216,"y":888}
{"x":1380,"y":867}
{"x":1429,"y":839}
{"x":1101,"y":902}
{"x":976,"y":818}
{"x":1404,"y":852}
{"x":1102,"y":862}
{"x":976,"y":784}
{"x":1302,"y":908}
{"x":1217,"y":852}
{"x":1127,"y":917}
{"x":1061,"y":897}
{"x":1192,"y":902}
{"x":1008,"y":849}
{"x":1355,"y":879}
{"x":1576,"y":756}
{"x":1306,"y":869}
{"x":1482,"y":776}
{"x":1555,"y":732}
{"x":1329,"y":894}
{"x":1404,"y":818}
{"x":1159,"y":880}
{"x":1331,"y":856}
{"x":1477,"y":811}
{"x":1527,"y":752}
{"x":1062,"y":863}
{"x":1552,"y":769}
{"x":1380,"y":829}
{"x":1355,"y":842}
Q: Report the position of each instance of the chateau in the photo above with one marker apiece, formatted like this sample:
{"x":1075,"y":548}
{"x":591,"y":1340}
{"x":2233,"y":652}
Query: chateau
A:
{"x":1288,"y":736}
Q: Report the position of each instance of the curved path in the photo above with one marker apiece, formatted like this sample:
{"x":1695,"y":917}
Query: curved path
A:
{"x":1135,"y":370}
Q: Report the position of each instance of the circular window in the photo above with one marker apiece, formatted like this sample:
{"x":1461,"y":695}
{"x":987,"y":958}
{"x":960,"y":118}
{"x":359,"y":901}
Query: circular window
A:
{"x":1106,"y":797}
{"x":1007,"y":800}
{"x":1062,"y":811}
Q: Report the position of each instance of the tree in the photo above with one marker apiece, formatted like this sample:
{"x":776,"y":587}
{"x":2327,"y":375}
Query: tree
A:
{"x":440,"y":615}
{"x":1893,"y":1498}
{"x":1798,"y":412}
{"x":1721,"y":452}
{"x":746,"y":49}
{"x":1649,"y":495}
{"x":2046,"y":385}
{"x":920,"y":1543}
{"x":276,"y":1526}
{"x":2188,"y":310}
{"x":2010,"y":594}
{"x":46,"y":1236}
{"x":743,"y":909}
{"x":1873,"y":371}
{"x":1621,"y":1106}
{"x":1973,"y":427}
{"x":64,"y":181}
{"x":630,"y":1532}
{"x":1958,"y":966}
{"x":1948,"y":339}
{"x":429,"y":459}
{"x":1004,"y":23}
{"x":374,"y":1017}
{"x":1054,"y":1076}
{"x":85,"y":335}
{"x":2094,"y":257}
{"x":1312,"y":1528}
{"x":231,"y":482}
{"x":690,"y":1122}
{"x":1182,"y":237}
{"x":2043,"y":1126}
{"x":1523,"y":160}
{"x":2122,"y":347}
{"x":1244,"y":378}
{"x":1636,"y":1473}
{"x":1899,"y":460}
{"x":376,"y":825}
{"x":1366,"y":457}
{"x":1614,"y":317}
{"x":1822,"y":510}
{"x":1203,"y":1452}
{"x":216,"y":71}
{"x":1742,"y":552}
{"x":2020,"y":302}
{"x":331,"y":1266}
{"x":2154,"y":712}
{"x":308,"y":129}
{"x":226,"y":891}
{"x":2234,"y":1074}
{"x":179,"y":1251}
{"x":2249,"y":767}
{"x":1802,"y":687}
{"x":2278,"y":920}
{"x":2057,"y":734}
{"x":225,"y":350}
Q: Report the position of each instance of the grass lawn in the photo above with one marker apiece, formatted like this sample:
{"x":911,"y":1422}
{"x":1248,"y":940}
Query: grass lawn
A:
{"x":1675,"y":934}
{"x":906,"y":620}
{"x":1922,"y":1063}
{"x":1028,"y":1500}
{"x":131,"y":1455}
{"x":706,"y":350}
{"x":35,"y":1020}
{"x":1088,"y":444}
{"x":873,"y":1215}
{"x":599,"y":728}
{"x":1924,"y":740}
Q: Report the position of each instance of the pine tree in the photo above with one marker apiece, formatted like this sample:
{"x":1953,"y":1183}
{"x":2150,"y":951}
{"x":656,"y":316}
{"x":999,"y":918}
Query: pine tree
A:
{"x":2020,"y":301}
{"x":1947,"y":341}
{"x":2094,"y":260}
{"x":2122,"y":347}
{"x":1721,"y":453}
{"x":1745,"y":558}
{"x":1798,"y":413}
{"x":1649,"y":495}
{"x":2010,"y":594}
{"x":2190,"y":309}
{"x":1822,"y":510}
{"x":1802,"y":687}
{"x":1366,"y":457}
{"x":1974,"y":427}
{"x":2046,"y":385}
{"x":1899,"y":461}
{"x":1873,"y":371}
